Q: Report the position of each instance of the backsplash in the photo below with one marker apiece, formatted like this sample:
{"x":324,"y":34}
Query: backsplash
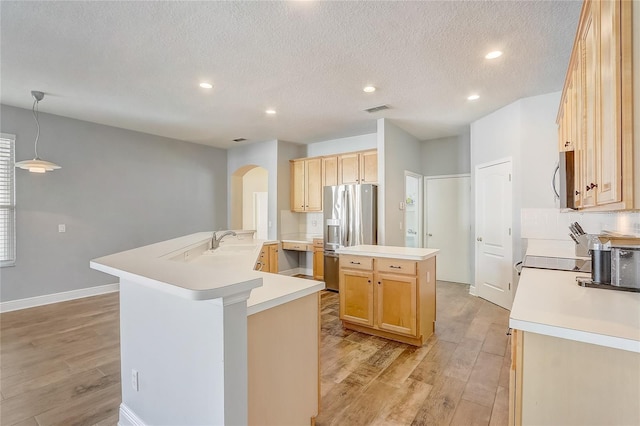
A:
{"x":552,"y":224}
{"x":292,"y":223}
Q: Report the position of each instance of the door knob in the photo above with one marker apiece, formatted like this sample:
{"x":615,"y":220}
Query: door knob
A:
{"x":431,"y":235}
{"x":479,"y":239}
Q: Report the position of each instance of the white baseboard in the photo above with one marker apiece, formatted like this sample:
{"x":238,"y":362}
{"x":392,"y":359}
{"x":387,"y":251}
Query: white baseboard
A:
{"x":472,"y":290}
{"x":128,"y":417}
{"x":30,"y":302}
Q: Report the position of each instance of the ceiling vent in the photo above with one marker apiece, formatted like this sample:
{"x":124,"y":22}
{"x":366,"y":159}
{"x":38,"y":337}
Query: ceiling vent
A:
{"x":377,"y":108}
{"x":239,"y":140}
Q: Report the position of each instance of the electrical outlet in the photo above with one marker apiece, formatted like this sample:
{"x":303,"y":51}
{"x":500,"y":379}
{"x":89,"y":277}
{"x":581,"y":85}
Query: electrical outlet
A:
{"x":134,"y":380}
{"x":62,"y":228}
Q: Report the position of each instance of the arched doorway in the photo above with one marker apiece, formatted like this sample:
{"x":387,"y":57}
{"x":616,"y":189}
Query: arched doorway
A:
{"x":249,"y":199}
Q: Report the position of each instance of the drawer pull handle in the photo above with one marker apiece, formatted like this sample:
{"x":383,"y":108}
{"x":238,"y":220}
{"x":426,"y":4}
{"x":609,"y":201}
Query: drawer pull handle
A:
{"x":395,"y":267}
{"x":354,"y":263}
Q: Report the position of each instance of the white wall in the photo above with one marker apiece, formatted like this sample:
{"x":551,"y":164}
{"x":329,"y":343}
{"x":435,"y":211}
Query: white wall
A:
{"x":447,"y":156}
{"x":255,"y":180}
{"x":526,"y":132}
{"x":399,"y":151}
{"x":117,"y":189}
{"x":339,"y":146}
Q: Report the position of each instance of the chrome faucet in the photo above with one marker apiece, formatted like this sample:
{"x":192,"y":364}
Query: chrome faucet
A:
{"x":215,"y":241}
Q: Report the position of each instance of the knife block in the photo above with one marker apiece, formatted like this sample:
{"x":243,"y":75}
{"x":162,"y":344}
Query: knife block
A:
{"x":582,"y":248}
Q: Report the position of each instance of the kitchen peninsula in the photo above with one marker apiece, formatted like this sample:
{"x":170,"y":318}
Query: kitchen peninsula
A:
{"x":575,"y":350}
{"x":205,"y":339}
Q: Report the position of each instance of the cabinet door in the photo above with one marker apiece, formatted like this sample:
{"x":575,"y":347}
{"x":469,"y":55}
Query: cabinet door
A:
{"x":396,"y":303}
{"x":330,"y":171}
{"x":318,"y":265}
{"x":348,"y":169}
{"x":515,"y":378}
{"x":313,"y":185}
{"x":297,"y":185}
{"x":273,"y":258}
{"x":589,"y":39}
{"x":578,"y":120}
{"x":356,"y":297}
{"x":263,"y":260}
{"x":369,"y":167}
{"x":609,"y":140}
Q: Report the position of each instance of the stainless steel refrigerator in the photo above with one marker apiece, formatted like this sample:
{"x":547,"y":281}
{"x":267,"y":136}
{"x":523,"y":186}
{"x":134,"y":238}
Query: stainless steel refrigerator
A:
{"x":350,"y":219}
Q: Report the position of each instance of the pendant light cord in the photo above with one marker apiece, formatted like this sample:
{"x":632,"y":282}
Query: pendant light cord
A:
{"x":34,"y":109}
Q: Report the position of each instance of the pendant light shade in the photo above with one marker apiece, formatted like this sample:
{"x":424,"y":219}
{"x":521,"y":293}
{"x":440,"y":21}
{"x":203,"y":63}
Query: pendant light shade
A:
{"x":37,"y":165}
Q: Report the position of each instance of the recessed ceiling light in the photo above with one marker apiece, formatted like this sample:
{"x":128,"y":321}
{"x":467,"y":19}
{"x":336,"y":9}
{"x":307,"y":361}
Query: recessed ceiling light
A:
{"x":369,"y":89}
{"x":206,"y":85}
{"x":270,"y":111}
{"x":473,"y":97}
{"x":493,"y":55}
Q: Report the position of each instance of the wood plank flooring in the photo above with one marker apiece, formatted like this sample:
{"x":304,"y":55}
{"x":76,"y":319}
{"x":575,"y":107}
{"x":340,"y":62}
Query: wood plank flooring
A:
{"x":60,"y":365}
{"x":459,"y":377}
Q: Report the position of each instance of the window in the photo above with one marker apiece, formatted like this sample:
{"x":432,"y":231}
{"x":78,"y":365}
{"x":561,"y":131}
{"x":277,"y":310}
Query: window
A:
{"x":7,"y":200}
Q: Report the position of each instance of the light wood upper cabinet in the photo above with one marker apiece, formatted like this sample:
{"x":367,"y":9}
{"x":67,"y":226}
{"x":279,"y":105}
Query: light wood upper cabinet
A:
{"x":595,"y":116}
{"x":310,"y":175}
{"x":348,"y":169}
{"x":306,"y":185}
{"x":608,"y":148}
{"x":358,"y":167}
{"x":330,"y":171}
{"x":369,"y":167}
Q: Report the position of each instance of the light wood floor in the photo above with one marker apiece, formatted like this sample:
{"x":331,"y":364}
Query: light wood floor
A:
{"x":459,"y":377}
{"x":60,"y":365}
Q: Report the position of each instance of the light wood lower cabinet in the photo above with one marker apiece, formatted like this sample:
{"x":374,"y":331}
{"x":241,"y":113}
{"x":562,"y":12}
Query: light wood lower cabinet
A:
{"x":268,"y":259}
{"x":565,"y":382}
{"x":318,"y":259}
{"x":391,"y":298}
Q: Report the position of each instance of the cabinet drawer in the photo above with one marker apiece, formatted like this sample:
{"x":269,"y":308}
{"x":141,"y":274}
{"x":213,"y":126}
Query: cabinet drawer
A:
{"x":318,"y":242}
{"x":297,"y":246}
{"x":356,"y":262}
{"x":397,"y":266}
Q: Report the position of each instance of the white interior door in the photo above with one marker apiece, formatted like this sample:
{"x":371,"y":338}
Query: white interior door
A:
{"x":260,"y":214}
{"x":493,"y":233}
{"x":447,"y":225}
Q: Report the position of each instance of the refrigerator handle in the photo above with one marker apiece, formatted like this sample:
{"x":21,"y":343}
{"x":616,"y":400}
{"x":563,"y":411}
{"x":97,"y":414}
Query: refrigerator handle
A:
{"x":347,"y":219}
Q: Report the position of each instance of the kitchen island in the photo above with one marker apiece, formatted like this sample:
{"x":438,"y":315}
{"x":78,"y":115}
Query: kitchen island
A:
{"x":205,"y":339}
{"x":388,"y":291}
{"x":575,"y":351}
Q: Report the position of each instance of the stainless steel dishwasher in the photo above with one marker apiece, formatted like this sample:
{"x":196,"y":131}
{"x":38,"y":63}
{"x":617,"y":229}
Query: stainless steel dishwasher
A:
{"x":331,"y":270}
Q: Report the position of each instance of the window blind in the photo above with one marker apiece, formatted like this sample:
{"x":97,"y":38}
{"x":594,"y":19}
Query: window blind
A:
{"x":7,"y":200}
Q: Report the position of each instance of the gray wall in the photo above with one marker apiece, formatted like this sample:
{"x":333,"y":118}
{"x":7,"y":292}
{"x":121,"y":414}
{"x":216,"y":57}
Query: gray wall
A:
{"x":117,"y":190}
{"x":339,"y":146}
{"x":265,"y":155}
{"x":447,"y":156}
{"x":397,"y":151}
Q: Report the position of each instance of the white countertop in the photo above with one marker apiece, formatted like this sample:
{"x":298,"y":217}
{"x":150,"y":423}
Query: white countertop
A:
{"x":392,"y":252}
{"x":162,"y":266}
{"x":552,"y":303}
{"x":299,"y":238}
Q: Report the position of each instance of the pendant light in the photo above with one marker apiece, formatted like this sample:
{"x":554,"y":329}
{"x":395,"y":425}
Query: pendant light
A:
{"x":37,"y":165}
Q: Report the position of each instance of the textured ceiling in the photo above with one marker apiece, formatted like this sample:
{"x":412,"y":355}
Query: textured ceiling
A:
{"x":137,"y":65}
